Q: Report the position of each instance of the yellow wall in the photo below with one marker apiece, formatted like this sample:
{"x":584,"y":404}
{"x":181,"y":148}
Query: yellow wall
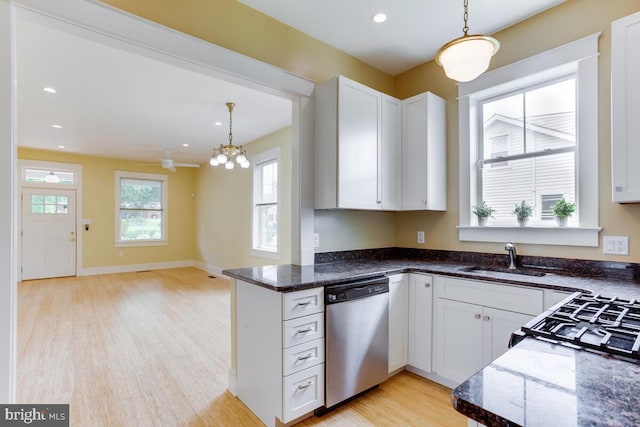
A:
{"x":98,"y":185}
{"x":223,"y":209}
{"x":562,"y":24}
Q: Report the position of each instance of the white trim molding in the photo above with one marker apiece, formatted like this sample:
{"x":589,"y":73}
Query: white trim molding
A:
{"x":211,"y":269}
{"x":579,"y":57}
{"x":130,"y":268}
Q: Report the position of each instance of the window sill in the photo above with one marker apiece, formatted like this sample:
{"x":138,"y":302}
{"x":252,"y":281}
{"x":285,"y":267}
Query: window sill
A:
{"x":265,"y":254}
{"x":139,"y":243}
{"x":565,"y":236}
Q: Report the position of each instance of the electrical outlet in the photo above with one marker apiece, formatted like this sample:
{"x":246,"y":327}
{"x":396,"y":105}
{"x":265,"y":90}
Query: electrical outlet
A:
{"x":420,"y":236}
{"x":615,"y":245}
{"x":316,"y":240}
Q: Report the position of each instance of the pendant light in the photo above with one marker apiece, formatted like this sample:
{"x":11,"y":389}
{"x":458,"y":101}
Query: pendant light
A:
{"x":225,"y":153}
{"x":466,"y":57}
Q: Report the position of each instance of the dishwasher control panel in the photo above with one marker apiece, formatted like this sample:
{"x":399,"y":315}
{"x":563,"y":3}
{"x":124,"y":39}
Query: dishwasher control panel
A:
{"x":355,"y":290}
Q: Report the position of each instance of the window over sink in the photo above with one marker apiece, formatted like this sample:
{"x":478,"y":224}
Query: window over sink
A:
{"x":529,"y":131}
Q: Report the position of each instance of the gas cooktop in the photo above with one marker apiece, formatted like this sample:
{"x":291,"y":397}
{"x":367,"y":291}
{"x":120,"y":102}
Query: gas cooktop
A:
{"x":593,"y":322}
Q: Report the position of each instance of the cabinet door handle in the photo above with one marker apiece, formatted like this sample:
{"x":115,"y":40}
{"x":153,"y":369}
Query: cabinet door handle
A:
{"x":303,"y":304}
{"x":427,"y":285}
{"x":303,"y":331}
{"x":477,"y":315}
{"x":304,"y":386}
{"x":302,"y":358}
{"x":487,"y":318}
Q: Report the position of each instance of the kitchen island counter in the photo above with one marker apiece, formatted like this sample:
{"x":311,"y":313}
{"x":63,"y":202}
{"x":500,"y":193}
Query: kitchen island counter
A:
{"x":538,"y":383}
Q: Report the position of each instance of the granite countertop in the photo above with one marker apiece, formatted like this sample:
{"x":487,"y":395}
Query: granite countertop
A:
{"x":537,"y":383}
{"x":288,"y":277}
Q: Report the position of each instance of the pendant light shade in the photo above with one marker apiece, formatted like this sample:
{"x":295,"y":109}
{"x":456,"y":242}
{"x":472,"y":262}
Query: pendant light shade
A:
{"x":466,"y":57}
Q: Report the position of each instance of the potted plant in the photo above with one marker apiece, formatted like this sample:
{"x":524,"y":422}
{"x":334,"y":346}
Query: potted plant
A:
{"x":483,"y":212}
{"x":562,"y":210}
{"x":523,"y":211}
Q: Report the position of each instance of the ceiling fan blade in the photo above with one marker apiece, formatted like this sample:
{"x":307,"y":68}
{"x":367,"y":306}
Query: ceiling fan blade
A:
{"x":187,"y":165}
{"x":171,"y":168}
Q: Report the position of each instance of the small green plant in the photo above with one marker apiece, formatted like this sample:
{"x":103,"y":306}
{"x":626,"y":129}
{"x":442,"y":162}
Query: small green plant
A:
{"x":523,"y":210}
{"x":563,"y":209}
{"x":484,"y":210}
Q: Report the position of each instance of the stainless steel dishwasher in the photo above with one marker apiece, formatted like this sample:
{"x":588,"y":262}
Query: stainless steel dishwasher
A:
{"x":357,"y":338}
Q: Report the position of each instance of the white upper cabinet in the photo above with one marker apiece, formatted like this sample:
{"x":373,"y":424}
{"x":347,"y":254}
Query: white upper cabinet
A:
{"x":390,"y":159}
{"x":625,"y":108}
{"x":348,"y":146}
{"x":424,"y":153}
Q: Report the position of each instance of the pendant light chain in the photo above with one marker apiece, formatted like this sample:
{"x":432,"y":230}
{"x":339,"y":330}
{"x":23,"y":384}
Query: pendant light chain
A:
{"x":230,"y":106}
{"x":465,"y":29}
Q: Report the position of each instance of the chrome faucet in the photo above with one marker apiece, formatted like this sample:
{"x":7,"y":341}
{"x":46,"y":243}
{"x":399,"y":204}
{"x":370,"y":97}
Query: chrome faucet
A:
{"x":511,"y":248}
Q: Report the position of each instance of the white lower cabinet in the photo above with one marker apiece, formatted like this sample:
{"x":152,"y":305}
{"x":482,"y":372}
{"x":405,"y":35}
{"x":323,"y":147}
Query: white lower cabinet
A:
{"x":280,"y":352}
{"x":420,"y":321}
{"x":398,"y":321}
{"x":473,"y":329}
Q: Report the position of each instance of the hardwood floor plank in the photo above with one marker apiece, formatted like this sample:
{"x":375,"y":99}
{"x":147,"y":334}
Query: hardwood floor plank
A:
{"x":152,"y":349}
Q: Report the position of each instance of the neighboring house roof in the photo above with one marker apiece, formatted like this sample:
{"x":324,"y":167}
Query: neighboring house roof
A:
{"x":559,"y":125}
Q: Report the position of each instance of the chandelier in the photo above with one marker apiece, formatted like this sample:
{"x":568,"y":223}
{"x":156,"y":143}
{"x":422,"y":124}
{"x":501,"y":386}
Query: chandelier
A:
{"x":466,"y":57}
{"x":224,"y":154}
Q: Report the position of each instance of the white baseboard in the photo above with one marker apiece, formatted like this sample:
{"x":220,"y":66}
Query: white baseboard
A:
{"x":211,"y":269}
{"x":129,"y":268}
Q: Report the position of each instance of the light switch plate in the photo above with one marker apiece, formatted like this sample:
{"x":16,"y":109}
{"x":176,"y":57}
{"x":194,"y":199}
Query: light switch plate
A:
{"x":420,"y":236}
{"x":615,"y":245}
{"x":316,"y":240}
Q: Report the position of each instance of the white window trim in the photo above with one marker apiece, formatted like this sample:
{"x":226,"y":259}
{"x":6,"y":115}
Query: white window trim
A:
{"x":581,"y":56}
{"x":165,"y":207}
{"x":265,"y":156}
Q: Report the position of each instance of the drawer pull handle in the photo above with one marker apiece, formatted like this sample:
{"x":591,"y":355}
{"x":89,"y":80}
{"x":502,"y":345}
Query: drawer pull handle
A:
{"x":302,"y":331}
{"x":477,"y":316}
{"x":304,"y":386}
{"x":303,"y":358}
{"x":303,"y":304}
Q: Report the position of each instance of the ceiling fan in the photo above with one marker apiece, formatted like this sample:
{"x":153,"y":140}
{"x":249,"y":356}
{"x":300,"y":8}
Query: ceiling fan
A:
{"x":168,"y":163}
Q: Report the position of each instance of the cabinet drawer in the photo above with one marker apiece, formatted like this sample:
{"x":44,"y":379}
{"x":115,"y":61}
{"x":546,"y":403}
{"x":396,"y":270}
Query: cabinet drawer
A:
{"x":303,"y":356}
{"x":302,"y":303}
{"x":511,"y":298}
{"x":303,"y":329}
{"x":303,"y":392}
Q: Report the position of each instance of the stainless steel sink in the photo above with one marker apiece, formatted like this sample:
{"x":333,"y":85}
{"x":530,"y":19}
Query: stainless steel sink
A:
{"x":520,"y":271}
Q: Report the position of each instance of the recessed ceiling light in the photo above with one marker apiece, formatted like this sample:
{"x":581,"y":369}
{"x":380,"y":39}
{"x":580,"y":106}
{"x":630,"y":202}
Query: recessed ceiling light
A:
{"x":49,"y":89}
{"x":218,"y":123}
{"x":379,"y":17}
{"x":60,"y":146}
{"x":185,"y":145}
{"x":56,"y":126}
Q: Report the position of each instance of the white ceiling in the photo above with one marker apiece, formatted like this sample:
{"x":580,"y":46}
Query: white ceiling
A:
{"x":413,"y":32}
{"x":116,"y":103}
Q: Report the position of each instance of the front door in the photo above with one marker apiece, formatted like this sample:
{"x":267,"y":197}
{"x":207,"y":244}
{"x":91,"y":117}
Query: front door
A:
{"x":48,"y":233}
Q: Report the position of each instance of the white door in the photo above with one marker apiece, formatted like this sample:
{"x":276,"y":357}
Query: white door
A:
{"x":398,"y":321}
{"x":499,"y":325}
{"x":420,"y":321}
{"x":48,"y":233}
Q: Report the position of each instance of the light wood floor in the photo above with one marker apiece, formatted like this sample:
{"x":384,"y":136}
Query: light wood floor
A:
{"x":152,"y":348}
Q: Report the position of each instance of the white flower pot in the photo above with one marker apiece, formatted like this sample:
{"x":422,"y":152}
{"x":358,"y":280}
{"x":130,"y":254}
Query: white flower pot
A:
{"x":561,"y":221}
{"x":522,"y":222}
{"x":482,"y":221}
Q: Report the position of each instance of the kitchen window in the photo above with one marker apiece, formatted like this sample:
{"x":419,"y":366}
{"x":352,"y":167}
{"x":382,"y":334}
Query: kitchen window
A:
{"x":141,"y":203}
{"x":528,"y":131}
{"x":266,"y":220}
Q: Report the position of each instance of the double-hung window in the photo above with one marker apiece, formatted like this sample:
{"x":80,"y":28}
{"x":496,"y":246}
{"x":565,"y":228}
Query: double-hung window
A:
{"x":266,"y":180}
{"x":141,"y":206}
{"x":529,"y":132}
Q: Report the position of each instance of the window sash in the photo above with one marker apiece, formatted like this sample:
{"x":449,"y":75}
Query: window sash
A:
{"x":266,"y":196}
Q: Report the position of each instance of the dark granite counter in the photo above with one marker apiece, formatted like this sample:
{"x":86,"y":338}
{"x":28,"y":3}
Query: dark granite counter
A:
{"x":288,"y":278}
{"x":538,"y":383}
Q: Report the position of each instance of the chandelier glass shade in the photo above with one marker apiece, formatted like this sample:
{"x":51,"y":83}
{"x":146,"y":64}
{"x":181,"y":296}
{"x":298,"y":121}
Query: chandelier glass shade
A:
{"x":225,"y":154}
{"x":466,"y":57}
